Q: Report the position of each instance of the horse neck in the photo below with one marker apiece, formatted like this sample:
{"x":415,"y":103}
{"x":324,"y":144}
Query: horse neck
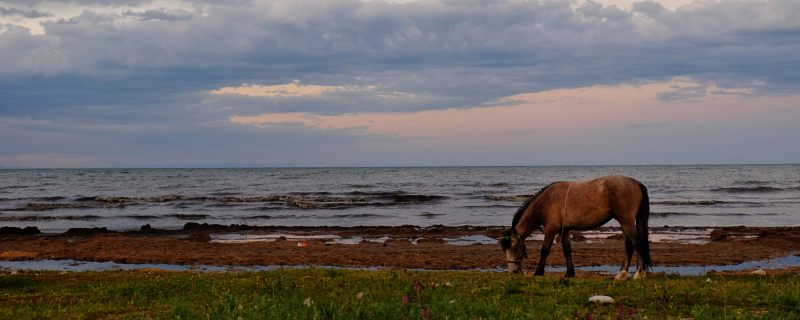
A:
{"x":528,"y":222}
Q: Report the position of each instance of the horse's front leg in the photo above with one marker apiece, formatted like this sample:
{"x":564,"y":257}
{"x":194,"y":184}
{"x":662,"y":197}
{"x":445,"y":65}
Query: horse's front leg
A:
{"x":567,"y":248}
{"x":548,"y":241}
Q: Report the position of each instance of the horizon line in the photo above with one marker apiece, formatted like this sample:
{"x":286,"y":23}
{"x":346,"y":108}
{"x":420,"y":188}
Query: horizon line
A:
{"x":388,"y":166}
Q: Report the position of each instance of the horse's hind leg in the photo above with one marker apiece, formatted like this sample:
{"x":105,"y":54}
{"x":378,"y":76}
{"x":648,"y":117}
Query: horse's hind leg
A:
{"x":641,"y":271}
{"x":623,"y":271}
{"x":548,"y":242}
{"x":567,"y":248}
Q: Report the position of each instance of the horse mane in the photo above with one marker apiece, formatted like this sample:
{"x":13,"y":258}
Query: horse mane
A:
{"x":525,"y":206}
{"x":505,"y":241}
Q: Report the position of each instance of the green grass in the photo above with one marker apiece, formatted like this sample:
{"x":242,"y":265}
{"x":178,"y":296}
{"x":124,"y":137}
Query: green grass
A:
{"x":333,"y":294}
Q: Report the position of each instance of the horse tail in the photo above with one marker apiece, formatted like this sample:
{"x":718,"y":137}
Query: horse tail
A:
{"x":642,"y":243}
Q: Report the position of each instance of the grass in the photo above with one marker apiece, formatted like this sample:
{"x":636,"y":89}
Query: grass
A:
{"x":344,"y":294}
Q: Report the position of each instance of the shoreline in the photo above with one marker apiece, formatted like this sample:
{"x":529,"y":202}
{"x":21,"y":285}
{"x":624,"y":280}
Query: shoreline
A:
{"x":403,"y":247}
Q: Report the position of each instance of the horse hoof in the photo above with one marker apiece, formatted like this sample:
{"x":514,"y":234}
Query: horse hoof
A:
{"x":639,"y":275}
{"x":622,"y":275}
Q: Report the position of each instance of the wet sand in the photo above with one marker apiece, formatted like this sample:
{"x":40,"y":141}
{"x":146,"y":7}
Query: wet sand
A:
{"x":387,"y":247}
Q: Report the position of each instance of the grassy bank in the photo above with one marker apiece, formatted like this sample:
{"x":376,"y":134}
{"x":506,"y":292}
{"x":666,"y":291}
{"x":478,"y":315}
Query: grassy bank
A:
{"x":338,"y":294}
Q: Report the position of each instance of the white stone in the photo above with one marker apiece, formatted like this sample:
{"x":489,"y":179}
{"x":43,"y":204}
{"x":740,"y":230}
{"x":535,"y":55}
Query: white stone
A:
{"x":601,"y":299}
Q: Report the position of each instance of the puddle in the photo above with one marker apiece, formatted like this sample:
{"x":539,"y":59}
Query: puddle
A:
{"x":78,"y":266}
{"x":773,"y":264}
{"x":81,"y":266}
{"x":244,"y":238}
{"x":332,"y":239}
{"x":698,"y":236}
{"x":470,"y":240}
{"x":357,"y":240}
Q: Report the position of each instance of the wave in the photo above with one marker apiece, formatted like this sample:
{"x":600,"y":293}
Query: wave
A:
{"x":188,"y":216}
{"x":666,"y":214}
{"x":48,"y":218}
{"x":34,"y":206}
{"x":750,"y":204}
{"x":55,"y":198}
{"x":751,"y":182}
{"x":129,"y":200}
{"x":721,"y":214}
{"x":362,"y":186}
{"x":512,"y":198}
{"x":354,"y":216}
{"x":490,"y":206}
{"x":13,"y":187}
{"x":141,"y":217}
{"x":430,"y":215}
{"x":263,"y":217}
{"x":689,"y":202}
{"x":753,"y":189}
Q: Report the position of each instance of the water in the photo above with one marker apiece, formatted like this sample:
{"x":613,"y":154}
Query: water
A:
{"x":123,"y":199}
{"x":81,"y":266}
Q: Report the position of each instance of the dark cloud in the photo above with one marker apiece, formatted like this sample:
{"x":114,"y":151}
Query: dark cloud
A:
{"x":81,"y":2}
{"x":24,"y":13}
{"x":454,"y":53}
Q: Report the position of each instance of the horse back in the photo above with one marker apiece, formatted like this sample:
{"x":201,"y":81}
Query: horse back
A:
{"x":590,"y":204}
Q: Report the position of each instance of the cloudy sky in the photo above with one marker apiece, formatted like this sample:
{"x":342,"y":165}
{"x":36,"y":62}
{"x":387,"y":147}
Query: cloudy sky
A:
{"x":151,"y":83}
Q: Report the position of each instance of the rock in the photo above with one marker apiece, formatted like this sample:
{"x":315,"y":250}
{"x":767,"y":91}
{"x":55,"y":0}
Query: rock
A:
{"x":15,"y":231}
{"x":759,"y":272}
{"x":601,"y":299}
{"x":431,"y":240}
{"x":86,"y":231}
{"x":199,"y":237}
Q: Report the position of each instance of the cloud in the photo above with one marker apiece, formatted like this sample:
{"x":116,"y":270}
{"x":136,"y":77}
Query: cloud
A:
{"x":688,"y":90}
{"x":160,"y":14}
{"x":161,"y":76}
{"x":31,"y":14}
{"x":581,"y":109}
{"x":294,"y":89}
{"x":531,"y":45}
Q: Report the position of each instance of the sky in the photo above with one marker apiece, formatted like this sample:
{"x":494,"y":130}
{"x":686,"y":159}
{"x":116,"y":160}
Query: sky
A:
{"x":240,"y":83}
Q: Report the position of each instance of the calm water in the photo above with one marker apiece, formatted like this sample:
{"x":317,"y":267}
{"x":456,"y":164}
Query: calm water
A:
{"x":55,"y":200}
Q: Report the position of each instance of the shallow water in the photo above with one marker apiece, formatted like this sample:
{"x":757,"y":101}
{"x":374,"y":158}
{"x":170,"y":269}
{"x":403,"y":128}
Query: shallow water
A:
{"x":125,"y":199}
{"x":777,"y":263}
{"x":80,"y":266}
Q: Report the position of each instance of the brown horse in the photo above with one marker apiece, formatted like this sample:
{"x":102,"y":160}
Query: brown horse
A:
{"x":565,"y":206}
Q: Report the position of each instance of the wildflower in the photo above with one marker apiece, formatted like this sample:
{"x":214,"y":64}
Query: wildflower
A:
{"x":418,"y":287}
{"x":405,"y":298}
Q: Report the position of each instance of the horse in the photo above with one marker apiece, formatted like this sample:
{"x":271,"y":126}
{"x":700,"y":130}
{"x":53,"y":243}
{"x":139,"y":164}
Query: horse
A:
{"x":564,"y":206}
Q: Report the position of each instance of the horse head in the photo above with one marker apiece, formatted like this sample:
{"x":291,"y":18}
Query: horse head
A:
{"x":514,"y":247}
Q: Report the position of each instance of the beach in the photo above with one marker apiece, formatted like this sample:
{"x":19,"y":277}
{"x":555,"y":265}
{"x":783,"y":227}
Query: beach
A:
{"x":401,"y":247}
